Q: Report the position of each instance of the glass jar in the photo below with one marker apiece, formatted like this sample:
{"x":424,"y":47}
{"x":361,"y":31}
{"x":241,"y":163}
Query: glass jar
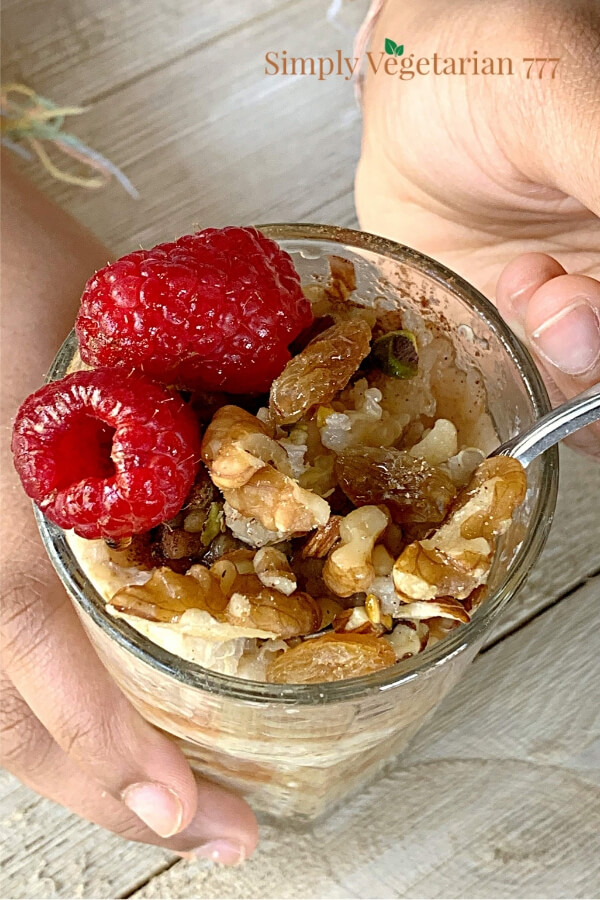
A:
{"x":297,"y":750}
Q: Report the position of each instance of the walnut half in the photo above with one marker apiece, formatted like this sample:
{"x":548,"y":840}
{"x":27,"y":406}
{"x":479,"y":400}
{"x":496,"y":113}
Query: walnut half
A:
{"x":349,"y":568}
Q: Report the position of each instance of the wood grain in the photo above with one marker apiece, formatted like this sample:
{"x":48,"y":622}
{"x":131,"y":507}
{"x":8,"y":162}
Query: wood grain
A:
{"x":498,"y":797}
{"x":78,"y":52}
{"x":46,"y":851}
{"x":210,"y":139}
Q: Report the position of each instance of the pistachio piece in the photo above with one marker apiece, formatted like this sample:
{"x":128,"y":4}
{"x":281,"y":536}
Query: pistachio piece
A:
{"x":395,"y":354}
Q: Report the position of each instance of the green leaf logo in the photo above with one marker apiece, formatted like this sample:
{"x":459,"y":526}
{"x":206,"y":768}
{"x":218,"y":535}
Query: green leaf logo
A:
{"x":393,"y":48}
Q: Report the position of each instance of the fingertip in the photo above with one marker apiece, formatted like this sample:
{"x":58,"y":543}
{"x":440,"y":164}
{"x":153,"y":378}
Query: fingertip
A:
{"x":223,"y":830}
{"x":519,"y":281}
{"x":229,"y":814}
{"x":164,"y":794}
{"x":562,"y":324}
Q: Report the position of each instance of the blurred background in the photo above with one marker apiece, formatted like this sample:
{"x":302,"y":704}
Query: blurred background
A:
{"x":178,"y":99}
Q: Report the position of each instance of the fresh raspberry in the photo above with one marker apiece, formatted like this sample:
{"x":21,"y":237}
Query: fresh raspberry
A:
{"x":214,"y":310}
{"x":106,"y":454}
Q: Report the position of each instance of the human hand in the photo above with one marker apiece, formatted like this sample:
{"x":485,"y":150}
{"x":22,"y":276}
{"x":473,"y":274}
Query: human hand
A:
{"x":498,"y":176}
{"x":67,"y":731}
{"x":65,"y":728}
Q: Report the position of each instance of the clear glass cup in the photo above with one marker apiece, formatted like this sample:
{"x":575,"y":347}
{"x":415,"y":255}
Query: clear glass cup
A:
{"x":297,"y":750}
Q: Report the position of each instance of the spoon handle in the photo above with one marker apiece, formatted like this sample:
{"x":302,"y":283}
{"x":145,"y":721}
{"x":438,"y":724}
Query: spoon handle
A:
{"x":556,"y":425}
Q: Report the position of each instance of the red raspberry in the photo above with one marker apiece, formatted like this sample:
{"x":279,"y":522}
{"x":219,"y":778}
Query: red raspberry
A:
{"x":214,"y":310}
{"x":105,"y":454}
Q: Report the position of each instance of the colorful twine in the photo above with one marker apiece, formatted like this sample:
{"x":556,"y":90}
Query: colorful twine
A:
{"x":28,"y":121}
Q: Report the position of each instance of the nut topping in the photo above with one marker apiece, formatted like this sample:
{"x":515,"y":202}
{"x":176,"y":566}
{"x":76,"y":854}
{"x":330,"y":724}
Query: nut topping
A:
{"x":274,"y":570}
{"x":349,"y":568}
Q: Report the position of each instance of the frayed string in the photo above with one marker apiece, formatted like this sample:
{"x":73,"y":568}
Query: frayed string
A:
{"x":32,"y":120}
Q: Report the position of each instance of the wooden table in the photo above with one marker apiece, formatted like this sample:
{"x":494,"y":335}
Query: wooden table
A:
{"x":500,"y":795}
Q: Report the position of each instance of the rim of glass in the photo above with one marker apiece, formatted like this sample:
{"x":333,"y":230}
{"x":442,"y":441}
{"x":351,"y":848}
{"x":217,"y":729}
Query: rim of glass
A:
{"x":194,"y":675}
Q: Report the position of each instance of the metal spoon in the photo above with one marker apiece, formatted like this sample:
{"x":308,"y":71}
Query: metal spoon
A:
{"x":556,"y":425}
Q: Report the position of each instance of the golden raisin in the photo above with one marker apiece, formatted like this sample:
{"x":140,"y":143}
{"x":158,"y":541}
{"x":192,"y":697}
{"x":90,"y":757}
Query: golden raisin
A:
{"x":323,"y":368}
{"x":412,"y":490}
{"x":331,"y":657}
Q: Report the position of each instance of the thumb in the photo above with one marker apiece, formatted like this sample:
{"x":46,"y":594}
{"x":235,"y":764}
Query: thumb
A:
{"x":558,"y":317}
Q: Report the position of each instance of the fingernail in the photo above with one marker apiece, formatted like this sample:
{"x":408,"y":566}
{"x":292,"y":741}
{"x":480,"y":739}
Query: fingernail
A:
{"x":156,"y":805}
{"x":227,"y":853}
{"x":519,"y":300}
{"x":570,"y":340}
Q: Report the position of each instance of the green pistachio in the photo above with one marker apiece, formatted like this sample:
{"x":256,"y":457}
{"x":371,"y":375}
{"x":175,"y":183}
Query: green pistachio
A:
{"x":213,"y":525}
{"x":396,"y":354}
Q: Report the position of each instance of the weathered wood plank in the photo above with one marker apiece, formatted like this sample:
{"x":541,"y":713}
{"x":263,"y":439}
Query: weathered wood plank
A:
{"x":499,"y":796}
{"x":77,"y":51}
{"x":571,"y":554}
{"x":48,"y":852}
{"x":208,"y":138}
{"x":211,"y":139}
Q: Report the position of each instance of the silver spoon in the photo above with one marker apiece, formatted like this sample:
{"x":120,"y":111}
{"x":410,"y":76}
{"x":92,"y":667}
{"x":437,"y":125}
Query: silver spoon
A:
{"x":556,"y":425}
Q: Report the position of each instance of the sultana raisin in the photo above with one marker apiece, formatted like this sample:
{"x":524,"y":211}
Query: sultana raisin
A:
{"x":331,"y":657}
{"x":322,"y":369}
{"x":412,"y":490}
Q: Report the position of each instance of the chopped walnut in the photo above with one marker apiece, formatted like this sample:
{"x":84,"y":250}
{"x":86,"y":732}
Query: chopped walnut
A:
{"x":225,"y":571}
{"x":249,"y":530}
{"x":236,"y":445}
{"x":274,"y":570}
{"x":334,"y":299}
{"x":457,"y":558}
{"x":447,"y":608}
{"x":242,"y":559}
{"x":253,"y":472}
{"x":167,"y":595}
{"x":320,"y":542}
{"x":278,"y":503}
{"x":255,"y":606}
{"x":342,"y":280}
{"x":460,"y":467}
{"x":439,"y":629}
{"x":409,"y":638}
{"x":438,"y":445}
{"x":349,"y":568}
{"x":356,"y":621}
{"x":223,"y":543}
{"x":383,"y":561}
{"x":322,"y":369}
